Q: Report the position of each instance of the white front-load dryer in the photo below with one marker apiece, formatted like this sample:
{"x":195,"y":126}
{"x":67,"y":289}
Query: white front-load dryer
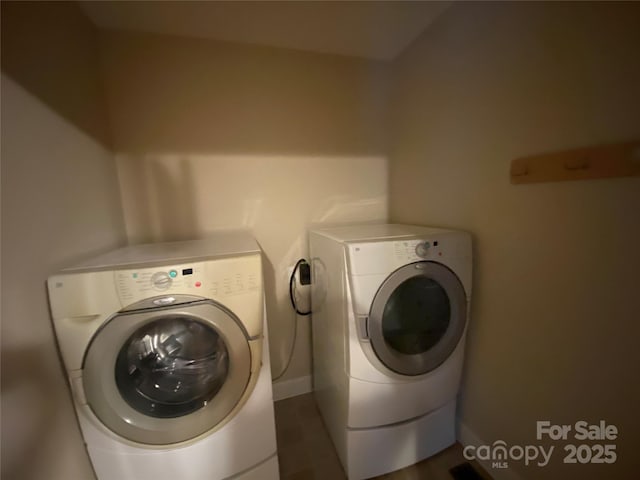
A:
{"x":164,"y":347}
{"x":390,"y":308}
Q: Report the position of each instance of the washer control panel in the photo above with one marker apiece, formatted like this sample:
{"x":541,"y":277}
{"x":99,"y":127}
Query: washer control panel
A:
{"x":218,"y":278}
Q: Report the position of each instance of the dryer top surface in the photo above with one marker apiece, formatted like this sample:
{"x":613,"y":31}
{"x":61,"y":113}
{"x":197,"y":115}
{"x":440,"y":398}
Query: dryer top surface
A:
{"x":222,"y":244}
{"x":377,"y":232}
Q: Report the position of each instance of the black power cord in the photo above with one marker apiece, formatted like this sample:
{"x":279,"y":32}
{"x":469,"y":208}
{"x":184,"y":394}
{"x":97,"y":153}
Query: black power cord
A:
{"x":305,"y":279}
{"x":302,"y":265}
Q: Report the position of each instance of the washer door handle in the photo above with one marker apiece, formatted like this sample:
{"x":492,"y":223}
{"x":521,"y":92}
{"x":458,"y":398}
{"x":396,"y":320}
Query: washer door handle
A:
{"x":164,"y":301}
{"x":161,"y":301}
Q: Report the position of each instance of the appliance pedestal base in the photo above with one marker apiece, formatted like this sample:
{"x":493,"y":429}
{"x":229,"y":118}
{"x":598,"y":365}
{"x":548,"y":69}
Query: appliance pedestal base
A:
{"x":380,"y":450}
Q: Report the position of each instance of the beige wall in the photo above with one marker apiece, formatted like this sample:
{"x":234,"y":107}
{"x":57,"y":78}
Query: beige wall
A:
{"x":211,"y":135}
{"x":56,"y":61}
{"x":60,"y":204}
{"x":554,"y":329}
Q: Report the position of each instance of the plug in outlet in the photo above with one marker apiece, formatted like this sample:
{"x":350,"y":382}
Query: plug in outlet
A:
{"x":305,"y":273}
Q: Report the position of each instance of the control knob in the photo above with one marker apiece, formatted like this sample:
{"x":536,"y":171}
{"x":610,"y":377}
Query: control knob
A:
{"x":161,"y":280}
{"x":422,"y":249}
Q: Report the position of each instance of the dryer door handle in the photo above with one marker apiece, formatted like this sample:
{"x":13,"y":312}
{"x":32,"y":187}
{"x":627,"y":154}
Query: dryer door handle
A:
{"x":77,"y":386}
{"x":362,"y":327}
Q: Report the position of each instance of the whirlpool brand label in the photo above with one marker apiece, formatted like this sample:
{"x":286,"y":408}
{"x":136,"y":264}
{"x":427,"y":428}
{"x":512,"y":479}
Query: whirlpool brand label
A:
{"x":589,"y":444}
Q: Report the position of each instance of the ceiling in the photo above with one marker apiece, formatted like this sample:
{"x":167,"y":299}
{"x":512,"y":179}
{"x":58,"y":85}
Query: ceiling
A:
{"x":371,"y":29}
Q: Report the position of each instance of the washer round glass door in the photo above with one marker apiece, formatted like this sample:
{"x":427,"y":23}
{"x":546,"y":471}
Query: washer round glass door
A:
{"x":167,"y":375}
{"x":172,"y":366}
{"x":417,"y":318}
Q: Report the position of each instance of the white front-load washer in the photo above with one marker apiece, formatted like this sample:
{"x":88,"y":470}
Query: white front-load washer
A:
{"x":165,"y":351}
{"x":390,"y":308}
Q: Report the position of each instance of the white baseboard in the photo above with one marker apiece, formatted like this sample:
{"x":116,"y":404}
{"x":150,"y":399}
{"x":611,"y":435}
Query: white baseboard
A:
{"x":466,"y":436}
{"x":292,"y":388}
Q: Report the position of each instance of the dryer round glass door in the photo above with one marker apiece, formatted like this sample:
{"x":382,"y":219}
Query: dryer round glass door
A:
{"x":417,"y":318}
{"x":167,"y":375}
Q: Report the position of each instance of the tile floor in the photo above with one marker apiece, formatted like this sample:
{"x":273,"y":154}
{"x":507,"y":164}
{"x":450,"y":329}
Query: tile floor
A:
{"x":306,"y":453}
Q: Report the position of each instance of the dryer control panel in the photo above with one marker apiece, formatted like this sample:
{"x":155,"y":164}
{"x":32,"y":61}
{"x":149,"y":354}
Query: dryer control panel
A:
{"x":384,"y":257}
{"x":413,"y":250}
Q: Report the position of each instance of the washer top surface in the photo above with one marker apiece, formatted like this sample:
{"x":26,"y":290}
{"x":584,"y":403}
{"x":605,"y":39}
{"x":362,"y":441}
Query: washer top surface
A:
{"x":221,"y":244}
{"x":374,"y":232}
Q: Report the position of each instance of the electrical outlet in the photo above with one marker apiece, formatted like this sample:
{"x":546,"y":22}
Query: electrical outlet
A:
{"x":305,"y":273}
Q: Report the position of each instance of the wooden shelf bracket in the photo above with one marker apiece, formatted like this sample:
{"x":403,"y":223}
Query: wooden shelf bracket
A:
{"x":604,"y":161}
